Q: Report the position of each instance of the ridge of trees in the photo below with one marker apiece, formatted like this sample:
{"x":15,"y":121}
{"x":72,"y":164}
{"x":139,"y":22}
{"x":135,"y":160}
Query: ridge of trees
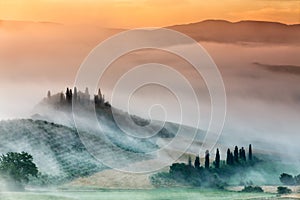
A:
{"x":76,"y":96}
{"x":236,"y":158}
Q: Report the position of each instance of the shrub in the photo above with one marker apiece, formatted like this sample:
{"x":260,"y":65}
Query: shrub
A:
{"x":252,"y":189}
{"x":297,"y":179}
{"x":283,"y":190}
{"x":287,"y":179}
{"x":18,"y":166}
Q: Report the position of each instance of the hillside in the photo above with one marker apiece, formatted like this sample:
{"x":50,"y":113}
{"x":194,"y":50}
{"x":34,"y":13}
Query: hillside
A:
{"x":57,"y":150}
{"x":62,"y":149}
{"x":241,"y":32}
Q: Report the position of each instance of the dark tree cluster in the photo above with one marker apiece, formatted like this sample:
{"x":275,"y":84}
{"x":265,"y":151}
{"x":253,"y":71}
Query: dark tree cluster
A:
{"x":233,"y":158}
{"x":17,"y":167}
{"x":75,"y":96}
{"x":69,"y":95}
{"x":208,"y":175}
{"x":283,"y":190}
{"x":238,"y":156}
{"x":288,"y":179}
{"x":251,"y":189}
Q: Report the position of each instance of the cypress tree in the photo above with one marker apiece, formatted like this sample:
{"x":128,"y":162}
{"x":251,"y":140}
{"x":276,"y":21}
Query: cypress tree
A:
{"x":71,"y":96}
{"x":243,"y":157}
{"x":228,"y":157}
{"x":240,"y":154}
{"x":207,"y":159}
{"x":197,"y":162}
{"x":75,"y":94}
{"x":190,"y":161}
{"x":250,"y":152}
{"x":67,"y":94}
{"x":217,"y":160}
{"x":231,"y":158}
{"x":236,"y":154}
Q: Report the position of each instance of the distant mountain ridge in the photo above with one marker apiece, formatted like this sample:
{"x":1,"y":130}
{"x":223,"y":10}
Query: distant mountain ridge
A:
{"x":241,"y":32}
{"x":246,"y":31}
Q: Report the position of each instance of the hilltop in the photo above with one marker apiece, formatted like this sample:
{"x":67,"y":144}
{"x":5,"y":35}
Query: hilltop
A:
{"x":241,"y":32}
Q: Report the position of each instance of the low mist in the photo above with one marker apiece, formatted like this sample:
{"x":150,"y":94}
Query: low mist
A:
{"x":262,"y":105}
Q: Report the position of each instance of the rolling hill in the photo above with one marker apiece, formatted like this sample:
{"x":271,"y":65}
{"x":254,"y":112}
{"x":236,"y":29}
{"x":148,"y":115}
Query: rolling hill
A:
{"x":57,"y":150}
{"x":241,"y":32}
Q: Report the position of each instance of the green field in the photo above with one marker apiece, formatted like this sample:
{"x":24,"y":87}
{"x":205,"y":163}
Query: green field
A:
{"x":154,"y":194}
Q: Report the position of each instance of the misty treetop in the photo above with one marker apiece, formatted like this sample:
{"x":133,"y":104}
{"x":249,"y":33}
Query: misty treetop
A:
{"x":78,"y":97}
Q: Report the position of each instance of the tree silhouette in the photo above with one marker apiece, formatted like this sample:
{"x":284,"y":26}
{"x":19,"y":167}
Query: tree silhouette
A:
{"x":100,"y":97}
{"x":250,"y":152}
{"x":236,"y":154}
{"x":243,"y":154}
{"x":217,"y":160}
{"x":190,"y":161}
{"x":228,"y":157}
{"x":231,"y":158}
{"x":207,"y":159}
{"x":287,"y":179}
{"x":96,"y":99}
{"x":18,"y":166}
{"x":197,"y":162}
{"x":71,"y":96}
{"x":49,"y":94}
{"x":75,"y":94}
{"x":67,"y":94}
{"x":240,"y":153}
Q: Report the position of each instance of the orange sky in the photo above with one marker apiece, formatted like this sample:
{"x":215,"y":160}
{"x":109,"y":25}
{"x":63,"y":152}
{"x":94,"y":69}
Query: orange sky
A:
{"x":140,"y":13}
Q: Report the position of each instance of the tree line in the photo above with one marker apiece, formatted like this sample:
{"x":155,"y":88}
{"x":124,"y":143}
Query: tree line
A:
{"x":78,"y":97}
{"x":236,"y":157}
{"x":213,"y":173}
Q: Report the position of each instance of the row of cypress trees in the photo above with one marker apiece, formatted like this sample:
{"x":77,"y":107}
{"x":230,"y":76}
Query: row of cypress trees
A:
{"x":233,"y":158}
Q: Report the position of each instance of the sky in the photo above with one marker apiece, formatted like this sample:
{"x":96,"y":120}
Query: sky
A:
{"x":153,"y":13}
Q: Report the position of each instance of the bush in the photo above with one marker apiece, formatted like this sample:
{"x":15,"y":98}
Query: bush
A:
{"x":17,"y":166}
{"x":287,"y":179}
{"x":252,"y":189}
{"x":297,"y":179}
{"x":283,"y":190}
